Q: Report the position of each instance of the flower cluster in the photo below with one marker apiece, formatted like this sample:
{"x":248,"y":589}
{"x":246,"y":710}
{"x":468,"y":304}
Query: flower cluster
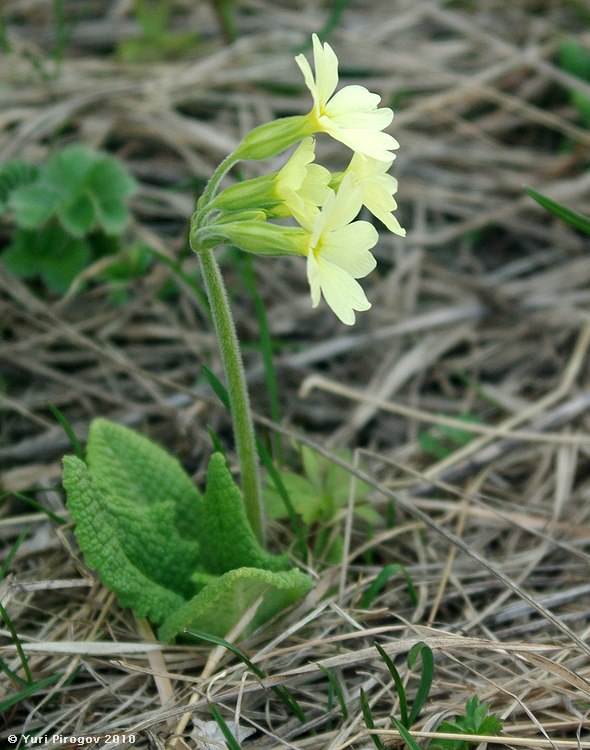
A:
{"x":324,"y":206}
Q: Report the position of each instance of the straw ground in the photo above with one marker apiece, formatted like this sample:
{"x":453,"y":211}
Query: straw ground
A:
{"x":462,"y":395}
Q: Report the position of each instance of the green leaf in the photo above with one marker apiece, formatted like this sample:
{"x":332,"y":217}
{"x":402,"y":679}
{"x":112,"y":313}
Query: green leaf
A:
{"x":97,"y":532}
{"x":224,"y":520}
{"x":369,"y":721}
{"x":425,"y":653}
{"x":49,"y":253}
{"x":219,"y":606}
{"x":575,"y":219}
{"x":68,"y":168}
{"x":384,"y":575}
{"x":151,"y":507}
{"x":78,"y":217}
{"x":137,"y":518}
{"x":33,"y":205}
{"x":128,"y":466}
{"x":14,"y":174}
{"x":406,"y":736}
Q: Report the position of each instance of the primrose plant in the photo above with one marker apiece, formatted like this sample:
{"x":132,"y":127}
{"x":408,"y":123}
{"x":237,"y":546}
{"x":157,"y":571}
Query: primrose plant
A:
{"x":180,"y":558}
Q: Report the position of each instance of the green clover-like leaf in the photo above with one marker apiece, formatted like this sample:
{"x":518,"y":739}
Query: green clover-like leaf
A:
{"x":49,"y":253}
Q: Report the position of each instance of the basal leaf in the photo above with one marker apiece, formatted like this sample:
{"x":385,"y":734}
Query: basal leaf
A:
{"x":138,"y":516}
{"x":97,"y":531}
{"x":225,"y":535}
{"x":127,"y":465}
{"x":219,"y":606}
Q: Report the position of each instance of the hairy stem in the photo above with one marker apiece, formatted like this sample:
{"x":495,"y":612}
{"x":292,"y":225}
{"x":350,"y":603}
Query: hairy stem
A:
{"x":236,"y":385}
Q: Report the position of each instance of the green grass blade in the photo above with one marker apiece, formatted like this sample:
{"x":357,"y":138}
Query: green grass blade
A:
{"x":368,"y":717}
{"x":230,"y":740}
{"x":218,"y":388}
{"x":68,"y":429}
{"x":27,"y":692}
{"x":425,"y":653}
{"x":576,"y":220}
{"x":335,"y":689}
{"x":279,"y":690}
{"x":19,"y":649}
{"x":266,"y":346}
{"x":399,"y":685}
{"x":14,"y":549}
{"x":230,"y":647}
{"x":282,"y":490}
{"x":406,"y":736}
{"x":388,"y":572}
{"x":177,"y":270}
{"x":34,"y":504}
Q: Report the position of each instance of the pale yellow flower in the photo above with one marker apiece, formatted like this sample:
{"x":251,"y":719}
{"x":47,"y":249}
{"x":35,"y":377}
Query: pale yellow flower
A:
{"x":301,"y":185}
{"x":351,"y":116}
{"x":377,"y":187}
{"x":337,"y":250}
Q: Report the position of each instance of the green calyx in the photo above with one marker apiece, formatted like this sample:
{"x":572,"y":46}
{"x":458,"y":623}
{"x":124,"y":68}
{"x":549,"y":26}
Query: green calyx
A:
{"x":273,"y":137}
{"x":262,"y":237}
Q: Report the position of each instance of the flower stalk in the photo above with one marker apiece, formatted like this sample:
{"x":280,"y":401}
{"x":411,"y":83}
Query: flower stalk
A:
{"x":320,"y":209}
{"x":241,"y":412}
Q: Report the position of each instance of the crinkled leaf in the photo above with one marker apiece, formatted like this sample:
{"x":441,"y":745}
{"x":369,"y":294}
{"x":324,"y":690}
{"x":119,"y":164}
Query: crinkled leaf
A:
{"x":97,"y":531}
{"x":225,"y":535}
{"x":137,"y":498}
{"x":130,"y":468}
{"x":219,"y":606}
{"x":154,"y":505}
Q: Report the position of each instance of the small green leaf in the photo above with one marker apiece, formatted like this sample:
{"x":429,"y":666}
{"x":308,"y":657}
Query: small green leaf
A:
{"x":14,"y":174}
{"x":384,"y":575}
{"x":399,"y":685}
{"x":67,"y":169}
{"x":369,"y":721}
{"x":406,"y":736}
{"x":33,"y":205}
{"x":425,"y":653}
{"x":79,"y":216}
{"x":49,"y":253}
{"x":230,"y":740}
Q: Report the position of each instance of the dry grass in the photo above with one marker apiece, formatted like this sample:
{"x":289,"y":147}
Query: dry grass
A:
{"x":483,"y":310}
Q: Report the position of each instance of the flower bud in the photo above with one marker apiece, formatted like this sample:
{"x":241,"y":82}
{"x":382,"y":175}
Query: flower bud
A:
{"x":273,"y":137}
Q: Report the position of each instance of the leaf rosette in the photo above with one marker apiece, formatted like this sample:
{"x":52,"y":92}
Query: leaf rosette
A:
{"x":175,"y":556}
